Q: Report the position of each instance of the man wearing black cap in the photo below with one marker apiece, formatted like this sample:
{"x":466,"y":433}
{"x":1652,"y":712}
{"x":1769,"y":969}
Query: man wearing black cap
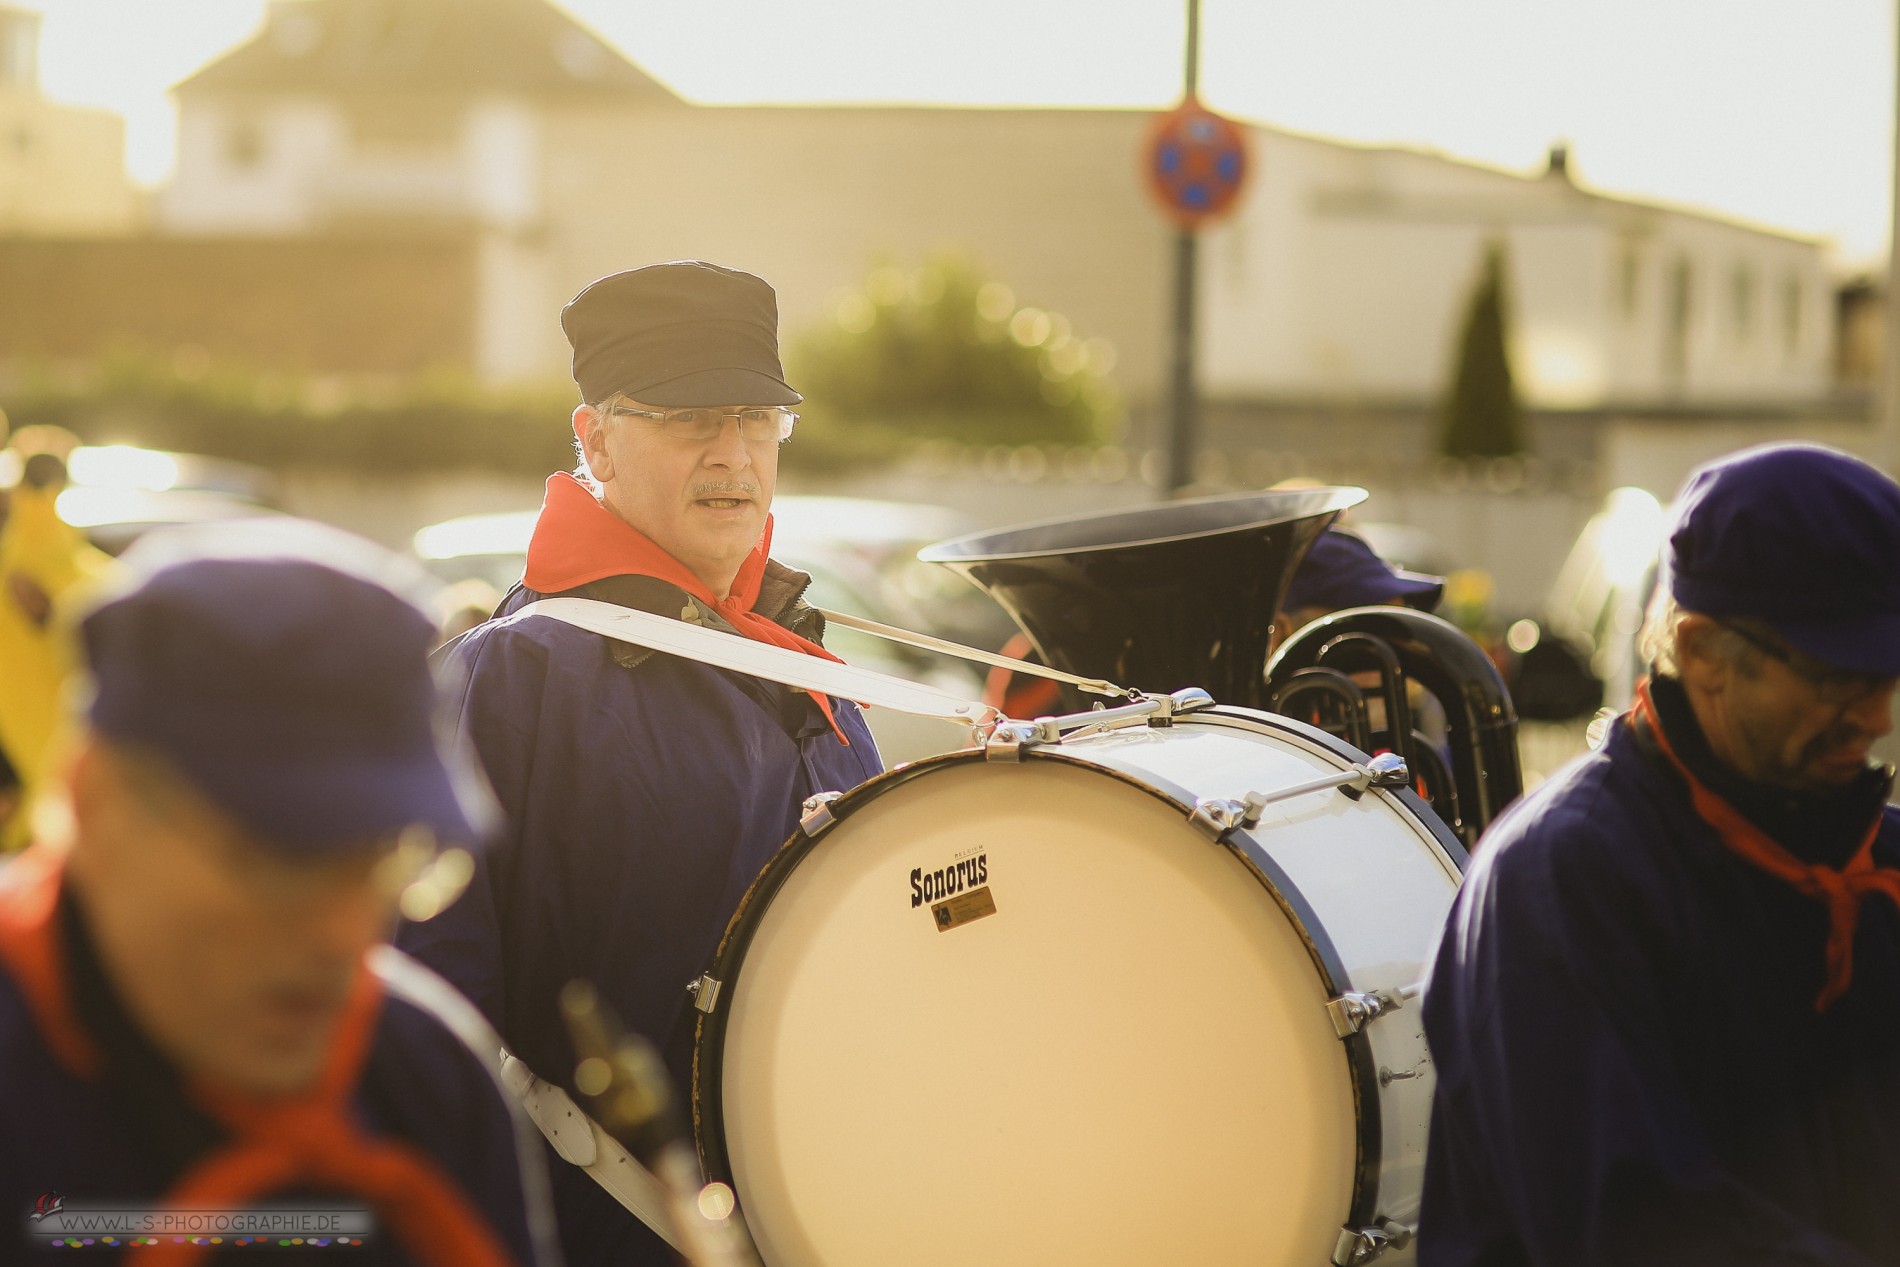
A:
{"x":202,"y":1033}
{"x":644,"y":791}
{"x":1665,"y":1009}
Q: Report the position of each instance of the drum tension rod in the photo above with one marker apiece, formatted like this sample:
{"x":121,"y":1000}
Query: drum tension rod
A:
{"x":1009,"y":738}
{"x":1216,"y":816}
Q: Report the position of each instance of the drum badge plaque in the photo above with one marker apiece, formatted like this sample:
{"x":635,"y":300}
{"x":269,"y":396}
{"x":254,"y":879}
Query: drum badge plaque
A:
{"x":958,"y":893}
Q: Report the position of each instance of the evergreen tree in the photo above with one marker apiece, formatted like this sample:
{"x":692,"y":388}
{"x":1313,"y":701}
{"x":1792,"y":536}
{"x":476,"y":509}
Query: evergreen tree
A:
{"x":1481,"y":416}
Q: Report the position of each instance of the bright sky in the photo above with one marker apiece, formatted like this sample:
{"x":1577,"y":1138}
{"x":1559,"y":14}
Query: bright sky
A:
{"x":1779,"y":111}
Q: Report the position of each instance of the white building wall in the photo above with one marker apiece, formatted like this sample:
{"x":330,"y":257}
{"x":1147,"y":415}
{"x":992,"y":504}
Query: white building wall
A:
{"x":1555,"y":305}
{"x":501,"y":162}
{"x":289,"y":167}
{"x":517,"y":333}
{"x":253,"y":166}
{"x":62,"y":168}
{"x":1346,"y":274}
{"x":1256,"y":283}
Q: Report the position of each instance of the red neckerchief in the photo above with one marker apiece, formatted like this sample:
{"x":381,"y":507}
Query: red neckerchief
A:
{"x":577,"y":540}
{"x":276,"y":1142}
{"x":1840,"y":888}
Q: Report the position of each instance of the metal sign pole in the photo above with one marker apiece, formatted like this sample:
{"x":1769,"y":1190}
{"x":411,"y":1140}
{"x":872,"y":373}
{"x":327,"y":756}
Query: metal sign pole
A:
{"x":1184,"y":405}
{"x":1887,"y":396}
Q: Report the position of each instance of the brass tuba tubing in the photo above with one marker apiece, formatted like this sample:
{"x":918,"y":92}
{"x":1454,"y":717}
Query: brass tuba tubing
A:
{"x":1485,"y":771}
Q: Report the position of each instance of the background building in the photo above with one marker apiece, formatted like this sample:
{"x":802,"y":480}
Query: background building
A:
{"x":62,"y":168}
{"x":381,"y":187}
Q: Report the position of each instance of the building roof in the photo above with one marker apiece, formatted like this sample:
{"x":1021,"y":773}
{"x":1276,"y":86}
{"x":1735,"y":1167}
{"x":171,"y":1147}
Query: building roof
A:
{"x":462,"y":47}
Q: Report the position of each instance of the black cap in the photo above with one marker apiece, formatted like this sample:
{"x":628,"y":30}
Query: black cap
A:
{"x":678,"y":334}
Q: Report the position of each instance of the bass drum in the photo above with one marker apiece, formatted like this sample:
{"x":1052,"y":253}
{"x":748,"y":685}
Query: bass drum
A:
{"x":1030,"y":1011}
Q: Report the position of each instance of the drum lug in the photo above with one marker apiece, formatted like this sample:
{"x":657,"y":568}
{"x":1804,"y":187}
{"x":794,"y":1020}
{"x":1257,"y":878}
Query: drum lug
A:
{"x":815,"y":813}
{"x":1215,"y":816}
{"x":1352,"y":1012}
{"x":1358,"y":1245}
{"x":1007,"y":741}
{"x":1191,"y":699}
{"x":705,"y":991}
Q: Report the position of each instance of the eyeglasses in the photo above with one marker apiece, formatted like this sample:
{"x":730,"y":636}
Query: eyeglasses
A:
{"x":1836,"y":687}
{"x":756,"y":426}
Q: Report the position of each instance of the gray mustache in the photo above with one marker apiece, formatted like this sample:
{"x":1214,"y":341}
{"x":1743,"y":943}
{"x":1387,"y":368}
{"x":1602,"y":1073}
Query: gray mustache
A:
{"x":726,"y":489}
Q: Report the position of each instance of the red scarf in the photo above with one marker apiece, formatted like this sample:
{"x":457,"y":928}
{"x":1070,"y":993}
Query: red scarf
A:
{"x":1840,"y":888}
{"x":577,"y":540}
{"x":277,"y":1142}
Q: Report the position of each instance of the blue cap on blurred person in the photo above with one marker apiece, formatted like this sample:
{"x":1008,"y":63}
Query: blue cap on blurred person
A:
{"x":1341,"y":570}
{"x":286,"y":677}
{"x":1804,"y":539}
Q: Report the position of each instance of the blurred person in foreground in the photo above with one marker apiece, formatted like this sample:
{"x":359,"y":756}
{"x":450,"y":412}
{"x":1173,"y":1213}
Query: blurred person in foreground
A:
{"x":198,"y":1010}
{"x":1665,"y":1007}
{"x":644,"y":791}
{"x":41,"y":559}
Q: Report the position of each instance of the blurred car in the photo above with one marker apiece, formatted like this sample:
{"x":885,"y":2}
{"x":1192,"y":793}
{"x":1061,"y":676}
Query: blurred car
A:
{"x":116,"y":493}
{"x":862,"y":558}
{"x":1585,"y":654}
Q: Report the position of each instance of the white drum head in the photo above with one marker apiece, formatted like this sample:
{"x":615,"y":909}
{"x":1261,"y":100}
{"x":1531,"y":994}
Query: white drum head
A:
{"x":1128,"y":1061}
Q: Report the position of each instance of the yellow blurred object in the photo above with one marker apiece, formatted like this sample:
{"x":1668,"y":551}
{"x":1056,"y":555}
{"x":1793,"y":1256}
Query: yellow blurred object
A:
{"x":1469,"y":587}
{"x":1467,"y":602}
{"x":41,"y":560}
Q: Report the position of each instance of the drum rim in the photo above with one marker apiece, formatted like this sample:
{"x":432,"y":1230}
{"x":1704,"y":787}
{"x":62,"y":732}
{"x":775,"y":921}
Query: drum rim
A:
{"x":708,"y":1094}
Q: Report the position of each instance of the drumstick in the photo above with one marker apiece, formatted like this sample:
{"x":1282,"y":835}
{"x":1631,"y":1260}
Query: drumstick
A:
{"x":625,"y":1083}
{"x":927,"y":642}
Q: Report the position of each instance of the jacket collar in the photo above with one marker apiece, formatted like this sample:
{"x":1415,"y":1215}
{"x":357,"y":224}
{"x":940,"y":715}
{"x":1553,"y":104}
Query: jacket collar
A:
{"x":577,"y":540}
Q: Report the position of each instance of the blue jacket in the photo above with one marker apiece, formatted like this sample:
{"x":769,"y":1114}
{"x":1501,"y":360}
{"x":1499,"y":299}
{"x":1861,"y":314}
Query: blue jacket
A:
{"x":1631,"y":1069}
{"x":643,"y":792}
{"x":129,"y":1133}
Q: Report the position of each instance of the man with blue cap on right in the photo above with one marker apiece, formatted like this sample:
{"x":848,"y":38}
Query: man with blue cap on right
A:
{"x":1665,"y":1008}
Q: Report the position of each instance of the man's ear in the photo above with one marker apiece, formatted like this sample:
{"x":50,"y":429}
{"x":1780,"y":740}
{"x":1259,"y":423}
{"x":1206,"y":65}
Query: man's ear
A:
{"x":1696,"y":658}
{"x":590,"y":429}
{"x":75,"y":811}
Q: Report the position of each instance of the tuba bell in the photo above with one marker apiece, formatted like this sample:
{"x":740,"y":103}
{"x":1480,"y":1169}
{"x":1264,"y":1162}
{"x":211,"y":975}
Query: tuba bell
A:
{"x":1184,"y":594}
{"x":1159,"y":598}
